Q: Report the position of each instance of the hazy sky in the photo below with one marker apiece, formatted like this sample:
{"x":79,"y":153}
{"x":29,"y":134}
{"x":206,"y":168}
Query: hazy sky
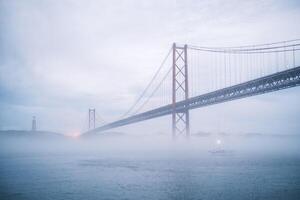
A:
{"x":59,"y":58}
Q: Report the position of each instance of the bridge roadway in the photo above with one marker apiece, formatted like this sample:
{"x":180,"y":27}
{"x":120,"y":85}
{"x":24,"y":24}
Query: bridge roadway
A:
{"x":277,"y":81}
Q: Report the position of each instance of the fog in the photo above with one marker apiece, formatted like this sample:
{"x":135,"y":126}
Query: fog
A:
{"x":58,"y":59}
{"x":114,"y":142}
{"x":116,"y":165}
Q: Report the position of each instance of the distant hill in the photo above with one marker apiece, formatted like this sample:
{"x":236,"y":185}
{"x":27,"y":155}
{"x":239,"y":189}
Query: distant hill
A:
{"x":103,"y":134}
{"x":36,"y":134}
{"x":201,"y":134}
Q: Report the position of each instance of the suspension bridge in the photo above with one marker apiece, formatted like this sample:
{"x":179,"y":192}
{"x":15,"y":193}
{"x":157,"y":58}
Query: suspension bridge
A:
{"x":191,"y":77}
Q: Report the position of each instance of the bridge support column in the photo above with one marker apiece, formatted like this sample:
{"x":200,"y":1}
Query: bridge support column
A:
{"x":180,"y":91}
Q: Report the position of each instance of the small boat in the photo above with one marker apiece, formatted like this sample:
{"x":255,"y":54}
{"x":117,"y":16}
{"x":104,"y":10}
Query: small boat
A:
{"x":218,"y":149}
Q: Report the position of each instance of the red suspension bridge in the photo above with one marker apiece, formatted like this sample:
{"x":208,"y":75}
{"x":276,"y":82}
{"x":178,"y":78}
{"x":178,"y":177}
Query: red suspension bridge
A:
{"x":191,"y":77}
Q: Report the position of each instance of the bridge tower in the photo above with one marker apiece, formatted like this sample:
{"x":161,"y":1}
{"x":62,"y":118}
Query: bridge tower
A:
{"x":180,"y":91}
{"x":92,"y":118}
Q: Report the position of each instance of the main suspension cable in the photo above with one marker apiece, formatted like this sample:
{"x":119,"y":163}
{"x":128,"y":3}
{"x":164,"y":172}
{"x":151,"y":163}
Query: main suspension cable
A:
{"x":244,"y":46}
{"x":148,"y":86}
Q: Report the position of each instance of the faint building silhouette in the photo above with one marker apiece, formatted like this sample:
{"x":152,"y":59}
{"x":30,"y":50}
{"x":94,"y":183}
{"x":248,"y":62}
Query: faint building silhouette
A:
{"x":33,"y":126}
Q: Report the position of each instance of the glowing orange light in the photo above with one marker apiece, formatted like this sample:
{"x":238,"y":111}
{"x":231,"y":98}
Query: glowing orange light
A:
{"x":74,"y":135}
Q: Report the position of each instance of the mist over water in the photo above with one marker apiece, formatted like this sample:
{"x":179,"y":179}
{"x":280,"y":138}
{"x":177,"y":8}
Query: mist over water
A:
{"x":67,"y":66}
{"x":126,"y":166}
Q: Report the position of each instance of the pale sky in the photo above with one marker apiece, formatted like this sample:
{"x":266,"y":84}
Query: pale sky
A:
{"x":59,"y":58}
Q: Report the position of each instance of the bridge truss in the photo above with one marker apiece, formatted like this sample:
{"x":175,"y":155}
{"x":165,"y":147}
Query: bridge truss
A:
{"x":278,"y":81}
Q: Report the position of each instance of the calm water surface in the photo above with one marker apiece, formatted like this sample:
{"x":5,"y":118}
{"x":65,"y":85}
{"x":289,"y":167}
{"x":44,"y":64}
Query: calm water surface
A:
{"x":72,"y":170}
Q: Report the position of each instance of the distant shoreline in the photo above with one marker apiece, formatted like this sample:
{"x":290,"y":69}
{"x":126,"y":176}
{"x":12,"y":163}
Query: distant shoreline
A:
{"x":198,"y":134}
{"x":29,"y":133}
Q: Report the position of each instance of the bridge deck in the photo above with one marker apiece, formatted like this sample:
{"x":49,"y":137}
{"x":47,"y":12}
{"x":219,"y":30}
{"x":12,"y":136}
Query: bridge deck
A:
{"x":277,"y":81}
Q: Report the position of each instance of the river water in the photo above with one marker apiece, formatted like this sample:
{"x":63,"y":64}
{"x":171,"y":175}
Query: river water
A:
{"x":150,"y":168}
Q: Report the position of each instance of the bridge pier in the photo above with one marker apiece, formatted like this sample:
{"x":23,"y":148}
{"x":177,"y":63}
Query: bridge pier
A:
{"x":180,"y":91}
